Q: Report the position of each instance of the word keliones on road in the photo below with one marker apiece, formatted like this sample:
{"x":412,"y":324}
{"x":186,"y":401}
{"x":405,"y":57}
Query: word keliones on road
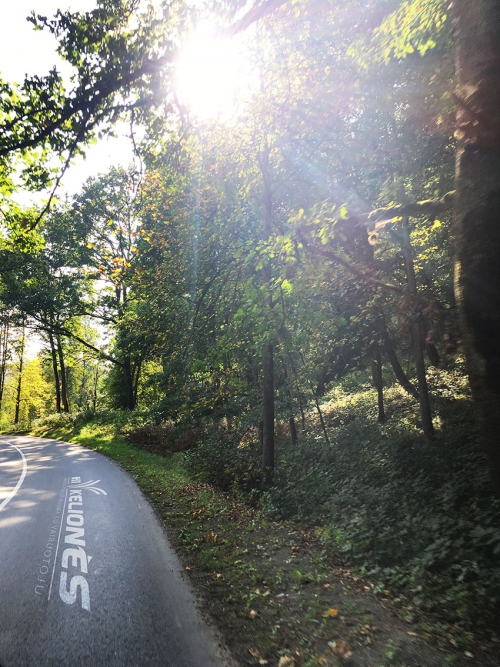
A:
{"x":73,"y":584}
{"x":74,"y":556}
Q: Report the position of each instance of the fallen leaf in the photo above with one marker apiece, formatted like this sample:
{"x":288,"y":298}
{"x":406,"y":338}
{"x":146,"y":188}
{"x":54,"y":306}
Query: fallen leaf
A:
{"x":286,"y":661}
{"x":217,"y":575}
{"x":412,"y":634}
{"x":325,"y":586}
{"x":341,"y":648}
{"x":251,"y":613}
{"x":469,"y":654}
{"x":188,"y":569}
{"x":330,"y":613}
{"x":256,"y":654}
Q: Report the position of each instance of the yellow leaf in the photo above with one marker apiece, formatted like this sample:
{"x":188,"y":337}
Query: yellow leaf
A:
{"x":330,"y":613}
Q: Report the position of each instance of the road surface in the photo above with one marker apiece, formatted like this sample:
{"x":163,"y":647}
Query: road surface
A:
{"x":87,"y":577}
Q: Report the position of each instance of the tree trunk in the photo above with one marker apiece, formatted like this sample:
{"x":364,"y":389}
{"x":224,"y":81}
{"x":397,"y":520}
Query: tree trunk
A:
{"x":62,"y":375}
{"x":415,"y":327}
{"x":128,"y":384}
{"x":96,"y":383}
{"x":376,"y":366}
{"x":56,"y":373}
{"x":423,"y":393}
{"x":477,"y":210}
{"x":4,"y":344}
{"x":291,"y":419}
{"x":137,"y":376}
{"x":268,"y":412}
{"x":432,"y":353}
{"x":268,"y":348}
{"x":401,"y":376}
{"x":19,"y":380}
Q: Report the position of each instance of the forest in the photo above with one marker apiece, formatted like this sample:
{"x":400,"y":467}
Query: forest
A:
{"x":297,"y":302}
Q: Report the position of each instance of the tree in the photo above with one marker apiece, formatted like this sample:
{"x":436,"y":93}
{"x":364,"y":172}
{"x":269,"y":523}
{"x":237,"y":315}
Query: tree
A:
{"x":477,"y":206}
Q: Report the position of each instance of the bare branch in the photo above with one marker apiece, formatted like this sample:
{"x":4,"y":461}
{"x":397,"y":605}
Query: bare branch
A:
{"x":257,"y":12}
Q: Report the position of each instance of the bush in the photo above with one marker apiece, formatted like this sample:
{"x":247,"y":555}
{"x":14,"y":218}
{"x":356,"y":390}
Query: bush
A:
{"x":63,"y":420}
{"x":164,"y":439}
{"x":220,"y":459}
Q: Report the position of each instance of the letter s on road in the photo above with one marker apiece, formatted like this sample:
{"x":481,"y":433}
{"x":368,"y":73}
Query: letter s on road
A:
{"x":69,"y":597}
{"x":75,"y":555}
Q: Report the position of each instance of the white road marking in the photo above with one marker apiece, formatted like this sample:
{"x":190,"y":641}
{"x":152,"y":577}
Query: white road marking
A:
{"x":58,"y":540}
{"x":19,"y":481}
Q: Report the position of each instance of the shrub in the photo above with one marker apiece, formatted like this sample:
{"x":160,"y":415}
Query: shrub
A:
{"x":164,"y":439}
{"x":220,"y":459}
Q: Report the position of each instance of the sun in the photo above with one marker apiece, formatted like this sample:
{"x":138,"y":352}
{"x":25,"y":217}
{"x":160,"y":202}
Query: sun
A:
{"x":214,"y":74}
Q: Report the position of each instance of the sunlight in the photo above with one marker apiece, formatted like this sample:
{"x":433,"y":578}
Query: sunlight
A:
{"x":214,"y":74}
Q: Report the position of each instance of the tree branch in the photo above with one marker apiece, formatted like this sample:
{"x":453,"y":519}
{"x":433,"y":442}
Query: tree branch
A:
{"x":412,"y":210}
{"x":257,"y":12}
{"x":316,"y":250}
{"x":88,"y":101}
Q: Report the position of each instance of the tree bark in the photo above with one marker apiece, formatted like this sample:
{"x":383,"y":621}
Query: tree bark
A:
{"x":56,"y":373}
{"x":19,"y":379}
{"x":4,"y":345}
{"x":96,"y":383}
{"x":415,"y":327}
{"x":62,"y":375}
{"x":401,"y":376}
{"x":291,"y":419}
{"x":376,"y":366}
{"x":128,"y":384}
{"x":423,"y":393}
{"x":476,"y":222}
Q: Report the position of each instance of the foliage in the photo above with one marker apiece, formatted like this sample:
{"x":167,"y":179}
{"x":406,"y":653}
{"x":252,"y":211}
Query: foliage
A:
{"x":164,"y":439}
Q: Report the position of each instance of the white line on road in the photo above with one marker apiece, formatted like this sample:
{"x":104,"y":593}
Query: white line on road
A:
{"x":58,"y":540}
{"x":19,"y":481}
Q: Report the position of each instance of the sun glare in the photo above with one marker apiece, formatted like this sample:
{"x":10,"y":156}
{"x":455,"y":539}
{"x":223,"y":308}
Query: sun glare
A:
{"x":214,"y":74}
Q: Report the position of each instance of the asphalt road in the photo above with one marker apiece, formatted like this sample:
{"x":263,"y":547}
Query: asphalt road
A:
{"x":87,"y":577}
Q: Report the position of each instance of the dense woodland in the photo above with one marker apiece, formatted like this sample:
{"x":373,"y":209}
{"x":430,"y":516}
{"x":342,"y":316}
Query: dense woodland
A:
{"x":304,"y":297}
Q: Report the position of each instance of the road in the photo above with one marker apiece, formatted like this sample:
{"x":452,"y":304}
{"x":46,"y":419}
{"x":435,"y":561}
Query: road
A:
{"x":87,"y":577}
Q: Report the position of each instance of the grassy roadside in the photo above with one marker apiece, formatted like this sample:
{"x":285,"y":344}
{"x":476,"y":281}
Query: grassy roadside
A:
{"x":278,"y":596}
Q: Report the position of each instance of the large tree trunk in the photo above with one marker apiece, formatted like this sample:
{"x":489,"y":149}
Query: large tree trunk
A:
{"x":128,"y":382}
{"x":62,"y":375}
{"x":477,"y":209}
{"x":56,"y":373}
{"x":19,"y":379}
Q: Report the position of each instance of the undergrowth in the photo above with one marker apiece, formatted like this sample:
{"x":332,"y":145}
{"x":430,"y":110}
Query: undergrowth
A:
{"x":418,"y":519}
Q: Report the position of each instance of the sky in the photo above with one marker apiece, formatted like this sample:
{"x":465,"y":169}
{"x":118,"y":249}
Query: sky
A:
{"x":26,"y":51}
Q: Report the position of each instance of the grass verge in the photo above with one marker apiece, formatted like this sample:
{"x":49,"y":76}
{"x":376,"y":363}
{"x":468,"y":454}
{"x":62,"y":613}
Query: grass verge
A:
{"x":277,"y":593}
